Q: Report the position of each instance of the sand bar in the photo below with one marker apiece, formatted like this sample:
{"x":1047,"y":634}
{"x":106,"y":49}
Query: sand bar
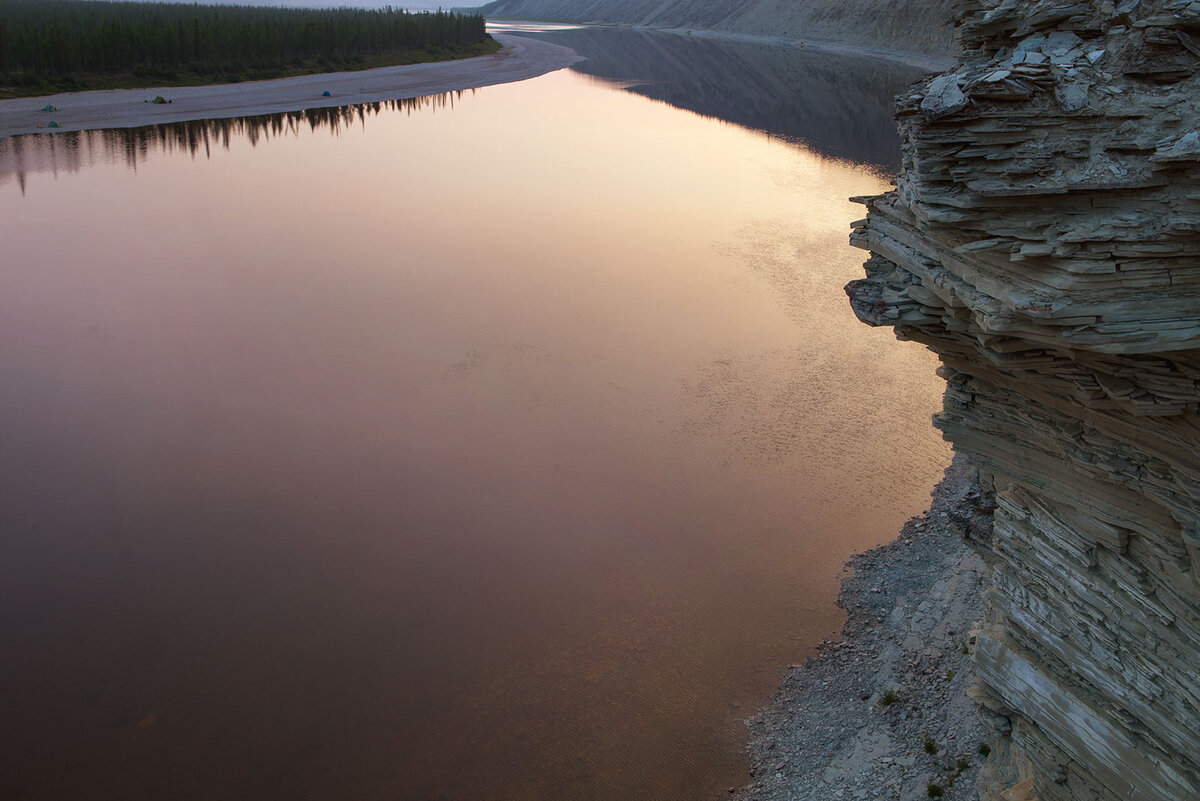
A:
{"x":519,"y":59}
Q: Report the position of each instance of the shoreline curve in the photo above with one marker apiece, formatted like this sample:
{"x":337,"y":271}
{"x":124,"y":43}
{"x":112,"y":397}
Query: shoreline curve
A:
{"x":519,"y":59}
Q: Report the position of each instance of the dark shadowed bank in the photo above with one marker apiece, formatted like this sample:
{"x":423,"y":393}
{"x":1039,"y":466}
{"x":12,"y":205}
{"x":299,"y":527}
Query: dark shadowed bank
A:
{"x":838,"y":105}
{"x":914,"y":26}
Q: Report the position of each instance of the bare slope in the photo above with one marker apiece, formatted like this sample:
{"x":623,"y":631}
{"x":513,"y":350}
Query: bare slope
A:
{"x":918,"y":26}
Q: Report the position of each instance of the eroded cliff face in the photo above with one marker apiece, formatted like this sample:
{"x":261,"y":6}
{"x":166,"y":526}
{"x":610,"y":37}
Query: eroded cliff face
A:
{"x":1044,"y":240}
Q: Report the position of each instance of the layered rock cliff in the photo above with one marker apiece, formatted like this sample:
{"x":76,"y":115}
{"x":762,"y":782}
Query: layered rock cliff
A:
{"x":1044,"y":241}
{"x":918,"y":26}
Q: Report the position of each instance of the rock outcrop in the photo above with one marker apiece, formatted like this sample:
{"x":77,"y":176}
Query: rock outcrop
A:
{"x":1044,"y":240}
{"x":917,"y":26}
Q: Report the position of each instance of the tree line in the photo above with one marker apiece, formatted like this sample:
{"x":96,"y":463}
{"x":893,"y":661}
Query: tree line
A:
{"x":41,"y":40}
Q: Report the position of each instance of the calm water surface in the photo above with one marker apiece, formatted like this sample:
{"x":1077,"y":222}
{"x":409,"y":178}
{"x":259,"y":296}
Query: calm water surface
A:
{"x":506,"y":446}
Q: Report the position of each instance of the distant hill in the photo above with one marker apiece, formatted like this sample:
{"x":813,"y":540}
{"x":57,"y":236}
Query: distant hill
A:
{"x":917,"y":26}
{"x":838,"y":106}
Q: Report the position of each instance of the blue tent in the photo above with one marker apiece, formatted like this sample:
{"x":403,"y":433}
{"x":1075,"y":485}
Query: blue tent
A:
{"x":49,"y":107}
{"x":326,"y":94}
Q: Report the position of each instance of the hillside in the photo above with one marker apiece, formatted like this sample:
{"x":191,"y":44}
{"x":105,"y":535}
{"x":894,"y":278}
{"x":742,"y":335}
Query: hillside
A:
{"x":839,"y":106}
{"x":918,"y":26}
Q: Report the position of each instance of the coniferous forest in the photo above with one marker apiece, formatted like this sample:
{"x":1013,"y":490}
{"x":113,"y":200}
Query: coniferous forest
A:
{"x":78,"y":44}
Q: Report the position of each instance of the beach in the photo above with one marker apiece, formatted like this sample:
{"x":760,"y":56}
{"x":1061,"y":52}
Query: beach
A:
{"x":520,"y":58}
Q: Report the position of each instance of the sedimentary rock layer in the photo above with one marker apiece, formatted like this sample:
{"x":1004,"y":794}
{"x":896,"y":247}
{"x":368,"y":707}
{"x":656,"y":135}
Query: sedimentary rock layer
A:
{"x":1044,"y":240}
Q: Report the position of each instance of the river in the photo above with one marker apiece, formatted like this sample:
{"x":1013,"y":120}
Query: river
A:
{"x":500,"y":445}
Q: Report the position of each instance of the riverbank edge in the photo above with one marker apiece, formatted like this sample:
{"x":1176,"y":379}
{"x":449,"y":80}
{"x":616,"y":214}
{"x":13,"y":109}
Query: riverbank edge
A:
{"x":519,"y":59}
{"x":883,"y":712}
{"x":922,"y":61}
{"x":99,"y":82}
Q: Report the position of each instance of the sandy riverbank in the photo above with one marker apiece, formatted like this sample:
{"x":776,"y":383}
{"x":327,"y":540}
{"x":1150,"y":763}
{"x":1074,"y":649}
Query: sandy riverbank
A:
{"x":911,"y":605}
{"x":521,"y":58}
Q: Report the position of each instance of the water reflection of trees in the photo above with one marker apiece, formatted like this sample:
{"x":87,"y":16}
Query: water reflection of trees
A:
{"x":75,"y":150}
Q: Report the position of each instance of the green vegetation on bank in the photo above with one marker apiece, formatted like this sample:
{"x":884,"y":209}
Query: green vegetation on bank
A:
{"x":68,"y":45}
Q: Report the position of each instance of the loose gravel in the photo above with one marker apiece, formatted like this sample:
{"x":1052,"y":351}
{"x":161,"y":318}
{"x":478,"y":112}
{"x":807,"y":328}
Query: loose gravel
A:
{"x":884,"y":713}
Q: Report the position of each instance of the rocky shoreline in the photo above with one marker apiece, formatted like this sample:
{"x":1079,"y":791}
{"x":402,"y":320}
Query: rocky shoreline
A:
{"x":884,"y":712}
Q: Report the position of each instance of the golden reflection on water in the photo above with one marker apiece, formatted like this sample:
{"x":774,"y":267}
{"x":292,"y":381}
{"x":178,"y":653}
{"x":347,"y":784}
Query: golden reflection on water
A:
{"x":503,"y":453}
